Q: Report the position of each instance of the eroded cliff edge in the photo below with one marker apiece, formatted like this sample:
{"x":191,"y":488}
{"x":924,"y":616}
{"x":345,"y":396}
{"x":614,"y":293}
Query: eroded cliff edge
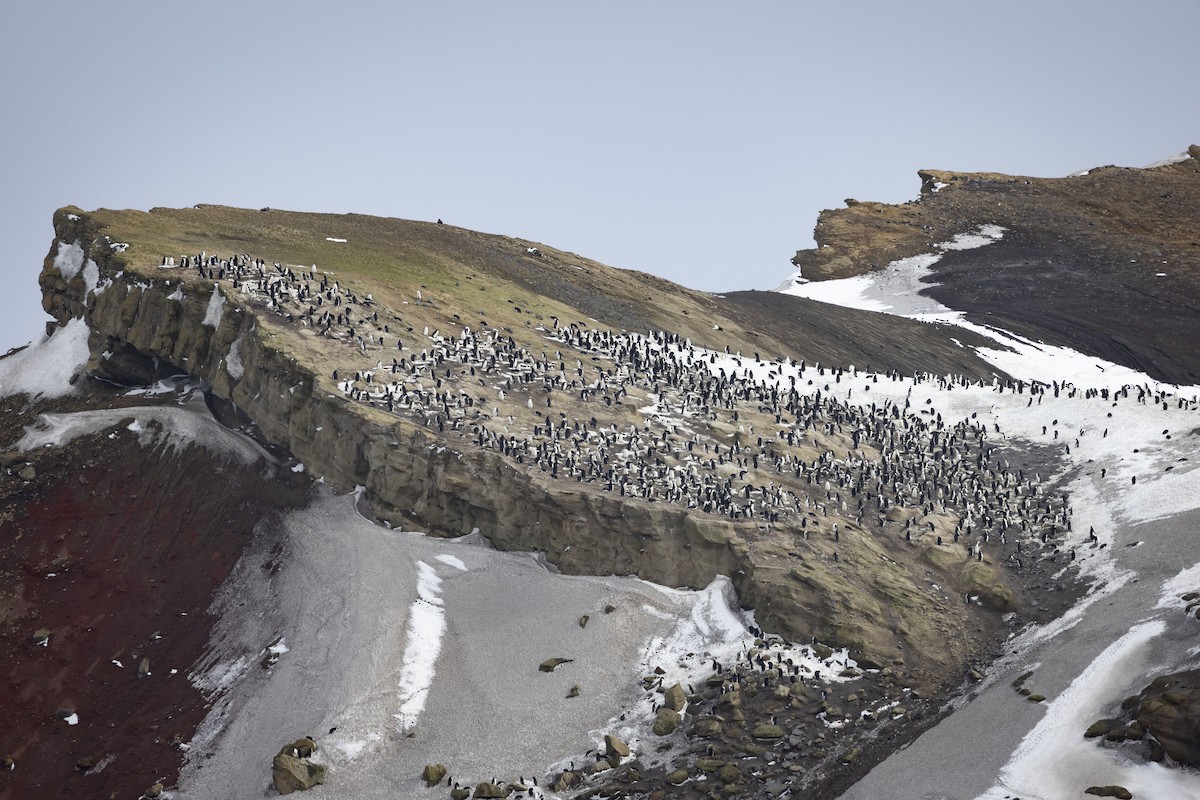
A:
{"x":1105,"y":261}
{"x":146,"y":323}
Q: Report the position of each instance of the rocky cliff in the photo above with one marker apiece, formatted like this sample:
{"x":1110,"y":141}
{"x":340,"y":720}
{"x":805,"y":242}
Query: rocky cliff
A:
{"x":147,"y":322}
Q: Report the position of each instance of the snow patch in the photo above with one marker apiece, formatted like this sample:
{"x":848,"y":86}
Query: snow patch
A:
{"x":1175,"y":159}
{"x":69,"y":259}
{"x":49,"y":366}
{"x":191,"y":424}
{"x":453,"y":561}
{"x":233,"y":360}
{"x":216,"y":304}
{"x":426,"y":625}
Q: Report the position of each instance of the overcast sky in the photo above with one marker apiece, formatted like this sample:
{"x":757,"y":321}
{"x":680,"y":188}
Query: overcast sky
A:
{"x":697,"y":141}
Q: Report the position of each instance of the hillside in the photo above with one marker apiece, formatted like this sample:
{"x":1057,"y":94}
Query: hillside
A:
{"x":1106,"y":262}
{"x":845,"y":518}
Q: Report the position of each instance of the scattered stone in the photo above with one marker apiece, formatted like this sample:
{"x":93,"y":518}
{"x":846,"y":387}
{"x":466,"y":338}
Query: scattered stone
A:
{"x":706,"y":726}
{"x":144,"y":668}
{"x":709,"y":764}
{"x":609,"y":609}
{"x":677,"y":777}
{"x":551,"y":664}
{"x":1119,"y":792}
{"x":489,"y":790}
{"x":1035,"y":698}
{"x":729,"y":774}
{"x":41,"y":637}
{"x":583,"y":621}
{"x":156,"y":791}
{"x":1099,"y":728}
{"x":27,"y":473}
{"x":7,"y":763}
{"x":433,"y":774}
{"x":573,"y":692}
{"x":85,"y":764}
{"x":460,"y":793}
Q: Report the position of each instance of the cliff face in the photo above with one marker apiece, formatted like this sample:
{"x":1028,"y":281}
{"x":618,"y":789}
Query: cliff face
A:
{"x":147,"y":323}
{"x":1106,"y":262}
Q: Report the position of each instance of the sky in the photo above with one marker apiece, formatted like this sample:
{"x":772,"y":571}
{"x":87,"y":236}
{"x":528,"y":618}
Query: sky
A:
{"x":697,"y":141}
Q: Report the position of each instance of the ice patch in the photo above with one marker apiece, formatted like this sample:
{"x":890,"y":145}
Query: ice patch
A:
{"x":426,"y":625}
{"x":69,"y":259}
{"x":332,"y":239}
{"x":176,"y":295}
{"x":49,"y":366}
{"x":72,"y":720}
{"x":216,"y":304}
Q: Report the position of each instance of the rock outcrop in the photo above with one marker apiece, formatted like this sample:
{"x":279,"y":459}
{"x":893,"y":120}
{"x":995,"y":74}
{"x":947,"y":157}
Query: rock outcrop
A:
{"x":1165,"y":715}
{"x":1106,"y":261}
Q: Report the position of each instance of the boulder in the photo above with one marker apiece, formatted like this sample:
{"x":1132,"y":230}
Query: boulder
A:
{"x":433,"y":774}
{"x":565,"y":781}
{"x":460,"y":793}
{"x":729,"y":774}
{"x":706,"y":727}
{"x":674,"y":698}
{"x":551,"y":664}
{"x":291,"y":774}
{"x":677,"y":777}
{"x":666,"y":721}
{"x":1119,"y":792}
{"x":490,"y":791}
{"x":615,"y":747}
{"x":1169,"y":711}
{"x":768,"y":732}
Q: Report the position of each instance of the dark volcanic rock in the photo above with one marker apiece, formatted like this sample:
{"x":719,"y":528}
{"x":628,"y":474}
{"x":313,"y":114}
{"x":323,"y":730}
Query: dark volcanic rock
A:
{"x":125,"y":521}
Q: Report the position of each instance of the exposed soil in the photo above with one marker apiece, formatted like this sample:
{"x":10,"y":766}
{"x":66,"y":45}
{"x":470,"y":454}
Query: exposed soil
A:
{"x":115,"y":551}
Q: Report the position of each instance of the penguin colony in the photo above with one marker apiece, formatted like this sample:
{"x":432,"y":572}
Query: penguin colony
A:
{"x":652,"y":417}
